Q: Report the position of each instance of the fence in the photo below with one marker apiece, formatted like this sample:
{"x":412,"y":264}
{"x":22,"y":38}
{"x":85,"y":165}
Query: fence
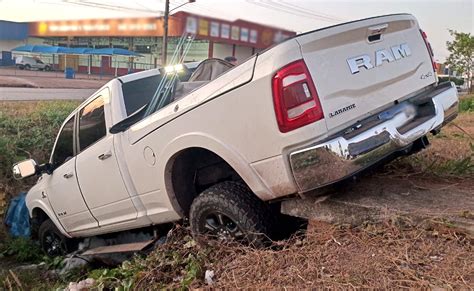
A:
{"x":83,"y":71}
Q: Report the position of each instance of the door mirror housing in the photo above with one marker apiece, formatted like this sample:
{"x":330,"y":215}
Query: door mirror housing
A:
{"x":25,"y":169}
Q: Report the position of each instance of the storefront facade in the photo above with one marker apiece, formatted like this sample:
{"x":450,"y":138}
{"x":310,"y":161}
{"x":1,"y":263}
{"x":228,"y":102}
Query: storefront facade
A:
{"x":213,"y":38}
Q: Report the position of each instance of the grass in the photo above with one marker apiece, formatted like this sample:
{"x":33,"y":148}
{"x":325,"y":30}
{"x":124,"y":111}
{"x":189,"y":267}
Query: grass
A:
{"x":451,"y":153}
{"x":395,"y":252}
{"x":392,"y":253}
{"x":466,"y":103}
{"x":21,"y":250}
{"x":28,"y":130}
{"x":381,"y":255}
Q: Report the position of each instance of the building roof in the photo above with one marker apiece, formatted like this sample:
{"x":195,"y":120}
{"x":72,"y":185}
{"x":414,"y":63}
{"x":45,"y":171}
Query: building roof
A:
{"x":13,"y":30}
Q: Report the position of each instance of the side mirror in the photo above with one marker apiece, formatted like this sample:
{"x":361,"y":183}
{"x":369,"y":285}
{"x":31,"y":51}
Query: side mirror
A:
{"x":24,"y":169}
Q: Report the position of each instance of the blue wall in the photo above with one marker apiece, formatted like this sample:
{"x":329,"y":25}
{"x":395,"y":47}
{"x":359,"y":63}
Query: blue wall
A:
{"x":13,"y":30}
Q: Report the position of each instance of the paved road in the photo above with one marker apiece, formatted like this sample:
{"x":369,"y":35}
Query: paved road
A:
{"x":25,"y":94}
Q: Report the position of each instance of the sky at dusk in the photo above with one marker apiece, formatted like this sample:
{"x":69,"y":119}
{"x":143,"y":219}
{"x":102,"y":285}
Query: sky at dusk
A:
{"x":435,"y":17}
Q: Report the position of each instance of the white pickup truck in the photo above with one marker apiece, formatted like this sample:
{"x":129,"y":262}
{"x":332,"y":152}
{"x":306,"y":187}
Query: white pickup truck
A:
{"x":309,"y":112}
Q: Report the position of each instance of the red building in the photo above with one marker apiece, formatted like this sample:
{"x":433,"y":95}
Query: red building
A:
{"x":213,"y":38}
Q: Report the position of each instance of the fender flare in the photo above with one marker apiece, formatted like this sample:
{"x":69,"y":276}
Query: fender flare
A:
{"x":41,"y":205}
{"x":226,"y":152}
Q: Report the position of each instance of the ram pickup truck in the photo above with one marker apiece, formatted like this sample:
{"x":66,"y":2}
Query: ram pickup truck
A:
{"x":309,"y":112}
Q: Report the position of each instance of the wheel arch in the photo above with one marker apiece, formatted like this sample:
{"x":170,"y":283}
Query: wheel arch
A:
{"x":200,"y":143}
{"x":40,"y":209}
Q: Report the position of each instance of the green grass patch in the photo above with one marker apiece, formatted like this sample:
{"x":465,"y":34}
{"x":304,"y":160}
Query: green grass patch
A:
{"x":466,"y":104}
{"x":21,"y":250}
{"x":28,"y":130}
{"x":431,"y":164}
{"x":179,"y":264}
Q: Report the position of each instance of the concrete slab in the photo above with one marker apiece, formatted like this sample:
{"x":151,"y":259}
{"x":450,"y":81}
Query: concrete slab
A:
{"x":120,"y":248}
{"x":378,"y":198}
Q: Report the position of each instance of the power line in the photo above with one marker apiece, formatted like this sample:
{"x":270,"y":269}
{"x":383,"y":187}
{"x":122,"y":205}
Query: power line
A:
{"x":292,"y":10}
{"x":305,"y":10}
{"x":116,"y":7}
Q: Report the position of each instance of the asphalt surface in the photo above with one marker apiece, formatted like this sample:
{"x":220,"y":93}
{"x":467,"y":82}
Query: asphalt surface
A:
{"x":26,"y":94}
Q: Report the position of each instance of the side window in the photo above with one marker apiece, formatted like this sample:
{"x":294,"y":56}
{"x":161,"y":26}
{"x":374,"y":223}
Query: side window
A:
{"x":92,"y":123}
{"x":64,"y":146}
{"x":138,"y":93}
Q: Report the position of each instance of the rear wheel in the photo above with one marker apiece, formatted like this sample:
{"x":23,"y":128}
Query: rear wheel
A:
{"x":27,"y":67}
{"x":21,"y":67}
{"x":229,"y":211}
{"x":47,"y":68}
{"x":52,"y":241}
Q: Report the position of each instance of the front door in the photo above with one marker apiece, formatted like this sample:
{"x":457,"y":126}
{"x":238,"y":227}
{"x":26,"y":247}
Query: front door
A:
{"x":62,"y":189}
{"x":97,"y":168}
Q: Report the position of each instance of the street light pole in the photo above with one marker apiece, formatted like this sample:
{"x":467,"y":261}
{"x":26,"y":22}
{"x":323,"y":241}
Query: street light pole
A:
{"x":164,"y":50}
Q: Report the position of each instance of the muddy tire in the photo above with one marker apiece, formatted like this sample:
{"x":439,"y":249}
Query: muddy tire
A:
{"x":52,"y":241}
{"x":229,"y":211}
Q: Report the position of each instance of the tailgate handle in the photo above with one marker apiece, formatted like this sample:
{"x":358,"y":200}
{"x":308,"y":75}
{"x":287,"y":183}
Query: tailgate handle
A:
{"x":375,"y":32}
{"x":378,"y":29}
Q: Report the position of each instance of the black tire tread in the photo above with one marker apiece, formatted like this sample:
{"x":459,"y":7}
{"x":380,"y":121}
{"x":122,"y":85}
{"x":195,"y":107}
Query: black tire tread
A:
{"x":238,"y":199}
{"x":48,"y":224}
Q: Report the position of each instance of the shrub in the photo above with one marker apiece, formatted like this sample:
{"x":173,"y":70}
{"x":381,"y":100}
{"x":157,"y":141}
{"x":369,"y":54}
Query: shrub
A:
{"x":457,"y":81}
{"x":466,"y":104}
{"x":28,"y":130}
{"x":22,"y":249}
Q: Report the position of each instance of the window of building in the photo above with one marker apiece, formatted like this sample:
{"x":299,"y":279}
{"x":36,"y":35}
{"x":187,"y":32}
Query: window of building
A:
{"x":63,"y":150}
{"x":92,"y":123}
{"x":144,"y":49}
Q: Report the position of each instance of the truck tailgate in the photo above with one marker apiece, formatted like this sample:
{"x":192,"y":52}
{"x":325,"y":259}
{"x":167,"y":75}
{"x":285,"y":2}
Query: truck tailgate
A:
{"x":360,"y":67}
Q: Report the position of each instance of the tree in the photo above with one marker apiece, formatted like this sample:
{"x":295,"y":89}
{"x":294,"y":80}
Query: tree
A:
{"x":461,"y":56}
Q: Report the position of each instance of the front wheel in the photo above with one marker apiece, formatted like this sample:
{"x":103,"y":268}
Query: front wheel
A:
{"x":229,"y":211}
{"x":52,"y":241}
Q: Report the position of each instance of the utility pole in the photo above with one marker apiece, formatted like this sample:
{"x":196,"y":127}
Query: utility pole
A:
{"x":164,"y":50}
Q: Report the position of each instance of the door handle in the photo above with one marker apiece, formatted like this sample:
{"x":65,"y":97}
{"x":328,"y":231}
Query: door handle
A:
{"x":68,"y":175}
{"x":104,"y":156}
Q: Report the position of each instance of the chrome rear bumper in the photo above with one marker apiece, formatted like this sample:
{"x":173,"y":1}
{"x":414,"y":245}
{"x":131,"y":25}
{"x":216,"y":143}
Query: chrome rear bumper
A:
{"x":339,"y":158}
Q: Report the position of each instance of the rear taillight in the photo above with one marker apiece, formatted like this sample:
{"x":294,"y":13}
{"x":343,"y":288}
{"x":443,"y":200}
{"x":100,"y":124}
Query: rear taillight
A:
{"x":295,"y":98}
{"x":430,"y":49}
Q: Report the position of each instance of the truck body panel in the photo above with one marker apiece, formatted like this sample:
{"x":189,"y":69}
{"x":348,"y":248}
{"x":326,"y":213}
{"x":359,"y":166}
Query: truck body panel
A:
{"x":375,"y":85}
{"x":394,"y":67}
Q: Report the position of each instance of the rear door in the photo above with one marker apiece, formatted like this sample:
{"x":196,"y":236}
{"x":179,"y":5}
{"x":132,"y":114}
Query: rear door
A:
{"x":360,"y":67}
{"x":97,"y":168}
